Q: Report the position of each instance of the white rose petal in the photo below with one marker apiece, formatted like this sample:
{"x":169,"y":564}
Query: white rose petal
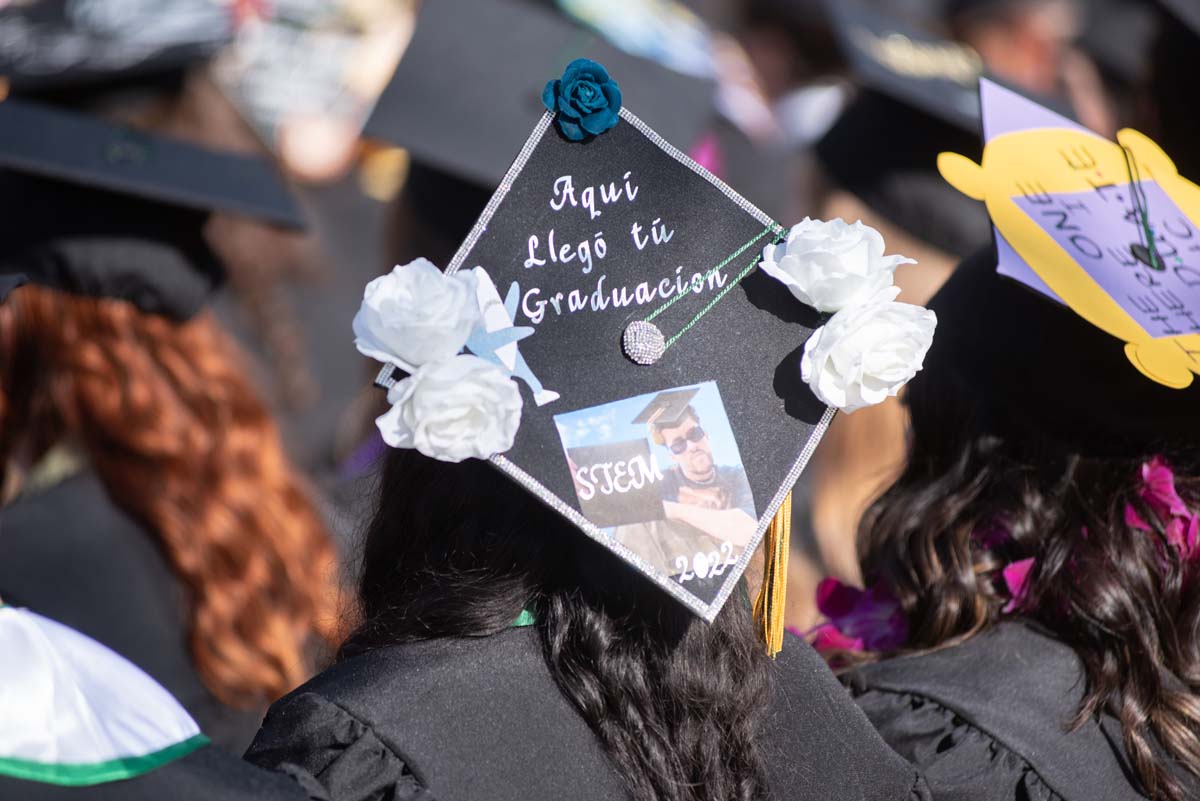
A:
{"x":831,"y":265}
{"x":416,"y":314}
{"x":867,"y":352}
{"x":454,"y":409}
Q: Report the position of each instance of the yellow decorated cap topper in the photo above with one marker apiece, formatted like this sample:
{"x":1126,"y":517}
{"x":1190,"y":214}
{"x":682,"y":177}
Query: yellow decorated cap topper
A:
{"x":1110,"y":229}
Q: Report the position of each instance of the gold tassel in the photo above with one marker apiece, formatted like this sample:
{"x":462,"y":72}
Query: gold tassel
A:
{"x":770,"y":603}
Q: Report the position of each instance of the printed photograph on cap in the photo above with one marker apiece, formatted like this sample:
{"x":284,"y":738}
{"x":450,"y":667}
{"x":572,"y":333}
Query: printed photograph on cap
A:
{"x":661,"y":474}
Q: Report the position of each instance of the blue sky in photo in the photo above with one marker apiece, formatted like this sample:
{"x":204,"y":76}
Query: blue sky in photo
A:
{"x":612,"y":423}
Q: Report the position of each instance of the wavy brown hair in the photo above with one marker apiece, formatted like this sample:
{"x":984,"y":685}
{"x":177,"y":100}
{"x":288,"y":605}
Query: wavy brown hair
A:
{"x":1126,"y":600}
{"x":181,"y":443}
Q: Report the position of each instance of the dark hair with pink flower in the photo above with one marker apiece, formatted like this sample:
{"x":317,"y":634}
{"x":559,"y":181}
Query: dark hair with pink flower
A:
{"x":987,"y":522}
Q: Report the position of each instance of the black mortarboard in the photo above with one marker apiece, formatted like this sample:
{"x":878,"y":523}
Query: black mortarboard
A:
{"x":47,"y":45}
{"x":921,"y":97}
{"x":918,"y":68}
{"x":667,"y":408}
{"x":1118,"y":35}
{"x":639,"y":233}
{"x":1036,"y":366}
{"x":1092,"y":295}
{"x":1175,"y":61}
{"x":107,"y":211}
{"x":1186,"y":11}
{"x":473,"y":74}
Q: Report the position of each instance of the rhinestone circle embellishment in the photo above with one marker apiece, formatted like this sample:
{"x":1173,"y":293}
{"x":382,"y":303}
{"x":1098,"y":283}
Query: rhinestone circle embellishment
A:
{"x":643,"y":342}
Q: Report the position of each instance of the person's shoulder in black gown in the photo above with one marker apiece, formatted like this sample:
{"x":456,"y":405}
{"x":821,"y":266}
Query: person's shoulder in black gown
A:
{"x":992,"y":720}
{"x":483,"y":718}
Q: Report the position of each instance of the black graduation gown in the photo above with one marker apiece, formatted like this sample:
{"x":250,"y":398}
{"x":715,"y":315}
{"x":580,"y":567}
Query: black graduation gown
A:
{"x":481,"y":718}
{"x":987,"y":721}
{"x":209,"y":774}
{"x":67,"y":552}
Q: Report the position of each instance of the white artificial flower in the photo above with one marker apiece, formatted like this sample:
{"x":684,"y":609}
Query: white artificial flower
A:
{"x":831,"y":265}
{"x":867,"y":352}
{"x":453,"y":409}
{"x":416,"y":314}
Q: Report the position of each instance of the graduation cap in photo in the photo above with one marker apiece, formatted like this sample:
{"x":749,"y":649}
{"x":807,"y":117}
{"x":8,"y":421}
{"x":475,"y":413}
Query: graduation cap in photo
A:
{"x":48,"y":45}
{"x":106,"y":211}
{"x":463,"y":93}
{"x":619,"y":292}
{"x":667,"y":408}
{"x":919,"y":97}
{"x":1108,"y":229}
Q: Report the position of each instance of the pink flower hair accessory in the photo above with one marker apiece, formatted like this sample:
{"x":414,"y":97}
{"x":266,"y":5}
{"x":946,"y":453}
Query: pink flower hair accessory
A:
{"x":859,"y":620}
{"x":1016,"y":578}
{"x":1159,"y":493}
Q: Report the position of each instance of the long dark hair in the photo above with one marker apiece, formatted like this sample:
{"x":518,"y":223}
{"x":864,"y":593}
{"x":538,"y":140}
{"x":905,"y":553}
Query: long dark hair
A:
{"x":457,"y":550}
{"x":975,"y":497}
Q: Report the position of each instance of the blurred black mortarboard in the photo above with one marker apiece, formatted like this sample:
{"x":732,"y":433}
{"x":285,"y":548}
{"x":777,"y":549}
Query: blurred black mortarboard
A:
{"x":639,"y":232}
{"x":1118,"y":35}
{"x":920,"y":69}
{"x":1175,"y":61}
{"x":462,"y":96}
{"x":107,"y":211}
{"x":920,"y":97}
{"x":50,"y":46}
{"x":1186,"y":11}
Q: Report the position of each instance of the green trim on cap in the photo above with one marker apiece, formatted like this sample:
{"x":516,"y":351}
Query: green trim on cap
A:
{"x":83,"y":775}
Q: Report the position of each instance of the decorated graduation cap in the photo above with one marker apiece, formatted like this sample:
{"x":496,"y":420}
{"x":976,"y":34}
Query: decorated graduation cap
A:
{"x":105,"y":211}
{"x":81,"y":721}
{"x":646,"y":351}
{"x":47,"y":45}
{"x":463,"y":93}
{"x":1110,"y":229}
{"x":920,"y":96}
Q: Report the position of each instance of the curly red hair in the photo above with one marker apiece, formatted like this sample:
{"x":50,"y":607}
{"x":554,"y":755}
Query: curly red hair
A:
{"x":183,"y":444}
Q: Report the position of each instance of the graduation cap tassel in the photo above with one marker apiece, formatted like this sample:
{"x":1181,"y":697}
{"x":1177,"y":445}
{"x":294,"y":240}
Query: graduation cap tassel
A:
{"x":769,"y":605}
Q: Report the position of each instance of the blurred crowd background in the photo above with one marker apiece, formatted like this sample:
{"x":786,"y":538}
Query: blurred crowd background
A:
{"x":806,"y":107}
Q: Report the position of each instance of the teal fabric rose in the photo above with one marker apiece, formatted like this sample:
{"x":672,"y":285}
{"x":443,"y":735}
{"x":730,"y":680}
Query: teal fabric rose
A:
{"x":586,"y":100}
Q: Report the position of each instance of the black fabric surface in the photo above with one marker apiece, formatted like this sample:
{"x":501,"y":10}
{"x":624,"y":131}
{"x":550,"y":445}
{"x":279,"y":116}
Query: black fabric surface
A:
{"x":208,"y":774}
{"x":68,"y":553}
{"x":1036,"y":365}
{"x":483,"y":719}
{"x":987,"y":721}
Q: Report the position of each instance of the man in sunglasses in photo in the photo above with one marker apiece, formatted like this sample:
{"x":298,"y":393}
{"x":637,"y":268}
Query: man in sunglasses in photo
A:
{"x":696,"y":490}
